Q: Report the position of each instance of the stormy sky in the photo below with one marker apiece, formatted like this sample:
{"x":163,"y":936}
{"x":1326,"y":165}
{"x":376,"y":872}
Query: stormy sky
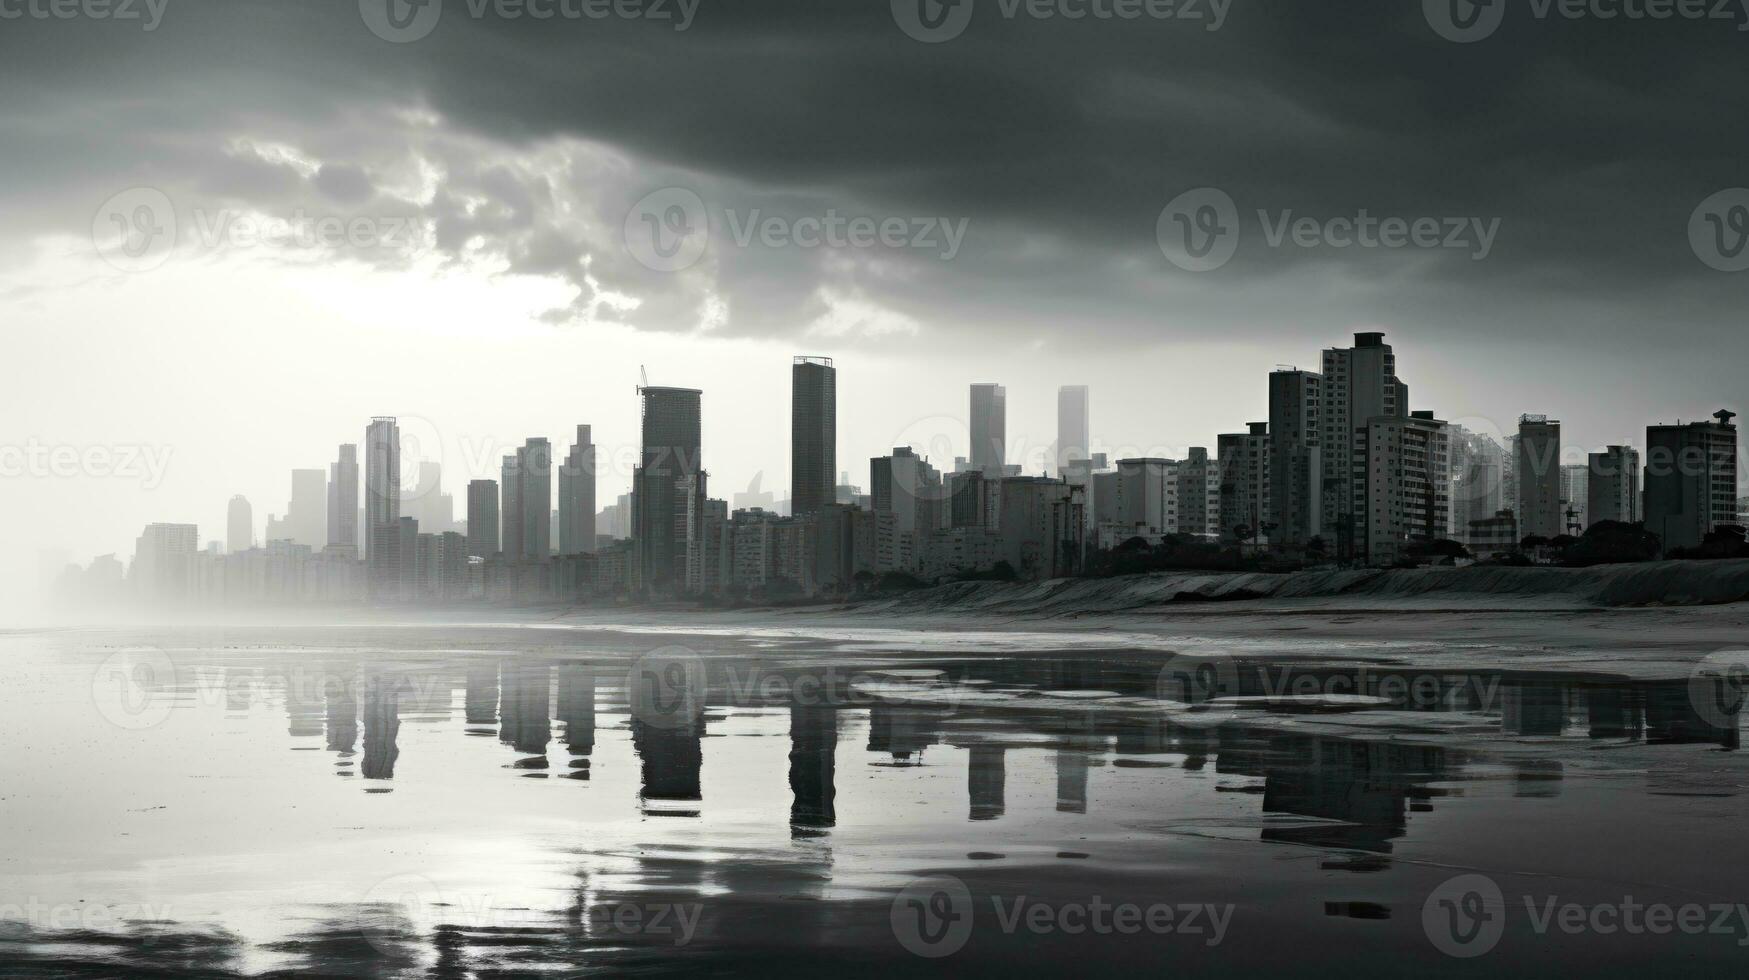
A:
{"x":485,"y":216}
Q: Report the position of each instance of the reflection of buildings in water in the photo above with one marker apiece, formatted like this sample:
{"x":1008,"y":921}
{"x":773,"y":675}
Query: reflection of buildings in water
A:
{"x":668,"y":740}
{"x":1537,"y":778}
{"x":987,"y":781}
{"x":902,"y":732}
{"x":382,"y":725}
{"x":1533,"y":708}
{"x":1673,"y":718}
{"x":1367,"y":785}
{"x":303,"y":701}
{"x":525,"y":700}
{"x":577,"y":707}
{"x":1197,"y":744}
{"x":341,"y":694}
{"x":1613,"y":712}
{"x":813,"y":734}
{"x":1143,"y":736}
{"x":482,"y":694}
{"x":1074,"y":757}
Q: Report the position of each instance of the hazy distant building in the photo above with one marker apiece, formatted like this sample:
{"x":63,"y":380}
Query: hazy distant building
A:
{"x":1539,"y":477}
{"x":425,"y":501}
{"x":577,"y":496}
{"x":239,"y":525}
{"x":1073,"y":438}
{"x":1296,"y":473}
{"x":1402,"y":484}
{"x":510,"y":506}
{"x":164,"y":559}
{"x":306,"y":516}
{"x":1245,"y":489}
{"x":1691,"y":479}
{"x":1613,"y":486}
{"x":1575,"y":502}
{"x":670,"y":453}
{"x":343,"y":498}
{"x":1477,"y":479}
{"x":906,"y":486}
{"x":534,"y":483}
{"x":482,"y":518}
{"x":1360,"y":383}
{"x":813,"y":436}
{"x":989,"y":428}
{"x":382,"y":492}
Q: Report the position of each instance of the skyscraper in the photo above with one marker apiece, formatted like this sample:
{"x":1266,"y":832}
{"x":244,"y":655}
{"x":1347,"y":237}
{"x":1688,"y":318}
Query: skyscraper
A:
{"x":482,"y":518}
{"x":1359,"y":384}
{"x":510,"y":495}
{"x":577,"y":496}
{"x":1575,"y":498}
{"x":1073,"y":440}
{"x":382,"y":487}
{"x":813,"y":438}
{"x":534,"y":474}
{"x":1296,"y":474}
{"x":1613,"y":486}
{"x":343,"y":498}
{"x":239,"y":525}
{"x":1539,"y":477}
{"x":670,"y":432}
{"x":1691,"y":479}
{"x":1401,"y":483}
{"x":306,"y":516}
{"x":1245,"y":489}
{"x":989,"y":425}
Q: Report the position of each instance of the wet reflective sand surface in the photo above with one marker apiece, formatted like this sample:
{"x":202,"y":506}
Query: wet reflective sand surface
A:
{"x":477,"y":801}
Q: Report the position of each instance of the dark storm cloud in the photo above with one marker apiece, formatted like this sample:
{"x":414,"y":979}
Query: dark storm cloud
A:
{"x":1589,"y":142}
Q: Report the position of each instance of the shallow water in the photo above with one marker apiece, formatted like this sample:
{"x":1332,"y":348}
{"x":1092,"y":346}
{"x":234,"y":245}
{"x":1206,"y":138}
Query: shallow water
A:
{"x":470,"y":801}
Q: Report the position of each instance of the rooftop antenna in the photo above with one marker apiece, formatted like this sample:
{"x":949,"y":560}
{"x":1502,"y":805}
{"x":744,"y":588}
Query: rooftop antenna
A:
{"x":643,"y":378}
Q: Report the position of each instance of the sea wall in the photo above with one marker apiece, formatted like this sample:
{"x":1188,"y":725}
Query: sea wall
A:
{"x":1669,"y":583}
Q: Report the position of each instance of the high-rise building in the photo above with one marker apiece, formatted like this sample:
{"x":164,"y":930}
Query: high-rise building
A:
{"x":1296,"y":469}
{"x":1245,"y":489}
{"x":164,"y":560}
{"x":534,"y":482}
{"x":1073,"y":438}
{"x":577,"y":496}
{"x":482,"y":518}
{"x":989,"y":427}
{"x":1538,"y":472}
{"x":1691,"y":479}
{"x":1575,"y":498}
{"x":1477,"y":479}
{"x":905,"y":485}
{"x":1135,"y":499}
{"x":1402,"y":483}
{"x":425,"y":501}
{"x":382,"y":476}
{"x":813,"y":436}
{"x":343,"y":498}
{"x":1360,"y":383}
{"x":306,"y":516}
{"x":1612,"y":491}
{"x":670,"y":453}
{"x":1194,"y":489}
{"x":239,"y":525}
{"x":1042,"y":526}
{"x":510,"y":496}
